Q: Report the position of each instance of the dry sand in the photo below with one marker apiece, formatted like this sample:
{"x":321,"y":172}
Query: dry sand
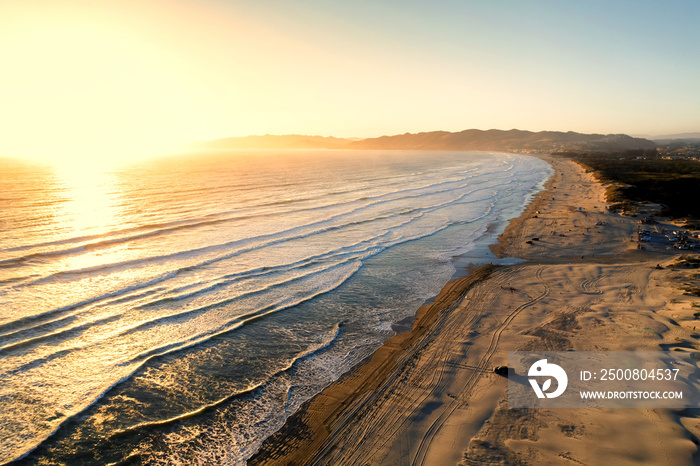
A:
{"x":429,"y":396}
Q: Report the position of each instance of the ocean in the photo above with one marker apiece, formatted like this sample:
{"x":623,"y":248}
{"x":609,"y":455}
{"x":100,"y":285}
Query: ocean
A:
{"x":177,"y":311}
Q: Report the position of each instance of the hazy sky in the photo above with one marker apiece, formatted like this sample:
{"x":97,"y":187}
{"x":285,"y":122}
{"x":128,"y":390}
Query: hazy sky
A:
{"x":138,"y":75}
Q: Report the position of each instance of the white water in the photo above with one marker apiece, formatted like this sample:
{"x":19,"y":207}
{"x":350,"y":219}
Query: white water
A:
{"x":223,"y":290}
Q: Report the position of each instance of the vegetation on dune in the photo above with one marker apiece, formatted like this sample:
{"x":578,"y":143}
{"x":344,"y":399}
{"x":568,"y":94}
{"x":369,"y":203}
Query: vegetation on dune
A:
{"x":686,"y":262}
{"x":643,"y":176}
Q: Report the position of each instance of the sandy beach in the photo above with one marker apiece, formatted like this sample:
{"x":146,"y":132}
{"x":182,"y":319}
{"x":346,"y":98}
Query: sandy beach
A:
{"x":429,"y":396}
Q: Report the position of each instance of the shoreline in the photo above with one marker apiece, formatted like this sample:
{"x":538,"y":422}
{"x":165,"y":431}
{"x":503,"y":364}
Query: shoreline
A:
{"x":308,"y":427}
{"x":429,"y":396}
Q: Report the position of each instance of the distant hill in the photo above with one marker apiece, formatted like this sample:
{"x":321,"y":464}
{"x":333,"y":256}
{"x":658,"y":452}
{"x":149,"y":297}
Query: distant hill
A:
{"x":513,"y":140}
{"x":471,"y":139}
{"x":681,"y":136}
{"x":268,"y":141}
{"x":677,"y":141}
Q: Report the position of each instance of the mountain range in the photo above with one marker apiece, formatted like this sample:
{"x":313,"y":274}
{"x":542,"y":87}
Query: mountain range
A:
{"x":471,"y":139}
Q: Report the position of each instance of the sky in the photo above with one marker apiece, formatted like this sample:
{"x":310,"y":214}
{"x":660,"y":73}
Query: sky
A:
{"x":130,"y":78}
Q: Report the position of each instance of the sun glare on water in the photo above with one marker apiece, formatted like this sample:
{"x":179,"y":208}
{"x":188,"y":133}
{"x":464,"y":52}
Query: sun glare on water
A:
{"x":94,"y":207}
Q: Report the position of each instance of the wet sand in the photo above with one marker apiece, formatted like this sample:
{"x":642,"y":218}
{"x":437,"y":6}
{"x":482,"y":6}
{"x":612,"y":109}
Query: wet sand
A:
{"x":429,"y":396}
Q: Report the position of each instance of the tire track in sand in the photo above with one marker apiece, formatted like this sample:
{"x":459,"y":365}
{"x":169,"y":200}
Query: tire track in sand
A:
{"x":426,"y":441}
{"x":358,"y":433}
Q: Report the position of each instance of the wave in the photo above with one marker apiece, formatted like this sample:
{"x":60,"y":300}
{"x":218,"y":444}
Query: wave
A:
{"x":258,"y":242}
{"x":53,"y":316}
{"x":168,"y":228}
{"x":274,"y":239}
{"x":53,"y":337}
{"x":348,"y":253}
{"x":33,"y":320}
{"x":178,"y":346}
{"x":250,"y":317}
{"x":182,"y":316}
{"x":15,"y":280}
{"x":309,"y":352}
{"x":372,"y":221}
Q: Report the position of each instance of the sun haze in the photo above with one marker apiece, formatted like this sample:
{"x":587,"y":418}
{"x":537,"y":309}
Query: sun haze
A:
{"x":100,"y":81}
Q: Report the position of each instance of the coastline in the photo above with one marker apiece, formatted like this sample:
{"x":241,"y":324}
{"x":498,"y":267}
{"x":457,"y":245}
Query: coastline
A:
{"x":429,"y":396}
{"x":306,"y":430}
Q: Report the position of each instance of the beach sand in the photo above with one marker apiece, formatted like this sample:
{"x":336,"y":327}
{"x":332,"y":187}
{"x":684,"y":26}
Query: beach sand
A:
{"x":429,"y":396}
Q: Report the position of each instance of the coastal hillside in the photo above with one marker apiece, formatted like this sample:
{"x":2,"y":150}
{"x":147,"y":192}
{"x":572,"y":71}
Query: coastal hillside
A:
{"x":471,"y":139}
{"x":513,"y":140}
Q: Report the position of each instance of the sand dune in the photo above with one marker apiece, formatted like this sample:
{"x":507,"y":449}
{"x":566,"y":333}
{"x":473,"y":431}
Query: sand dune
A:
{"x":429,"y":396}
